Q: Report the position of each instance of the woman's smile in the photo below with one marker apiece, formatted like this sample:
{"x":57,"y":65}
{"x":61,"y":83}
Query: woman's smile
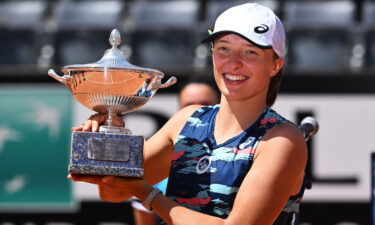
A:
{"x":233,"y":79}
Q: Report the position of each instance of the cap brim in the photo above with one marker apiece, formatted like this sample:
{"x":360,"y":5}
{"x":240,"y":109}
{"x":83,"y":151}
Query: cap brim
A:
{"x":213,"y":36}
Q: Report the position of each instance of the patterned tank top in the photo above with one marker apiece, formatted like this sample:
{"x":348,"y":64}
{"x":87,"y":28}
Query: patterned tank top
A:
{"x":206,"y":176}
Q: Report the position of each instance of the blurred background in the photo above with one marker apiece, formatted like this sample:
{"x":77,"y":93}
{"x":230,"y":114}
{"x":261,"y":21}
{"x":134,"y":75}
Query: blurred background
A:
{"x":329,"y":74}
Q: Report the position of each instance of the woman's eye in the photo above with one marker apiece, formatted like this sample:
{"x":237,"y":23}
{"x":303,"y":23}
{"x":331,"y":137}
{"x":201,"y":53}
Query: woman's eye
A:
{"x":222,"y":49}
{"x":250,"y":52}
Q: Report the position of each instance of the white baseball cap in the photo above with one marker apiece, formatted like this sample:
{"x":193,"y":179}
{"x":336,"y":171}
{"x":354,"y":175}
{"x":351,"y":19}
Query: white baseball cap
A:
{"x":253,"y":22}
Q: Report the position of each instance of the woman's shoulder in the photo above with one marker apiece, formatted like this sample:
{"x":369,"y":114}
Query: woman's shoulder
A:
{"x":178,"y":121}
{"x":286,"y":129}
{"x":287,"y":138}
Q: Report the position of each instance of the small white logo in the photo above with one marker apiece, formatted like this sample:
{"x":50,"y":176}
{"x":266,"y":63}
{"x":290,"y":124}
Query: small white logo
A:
{"x":203,"y":164}
{"x":246,"y":143}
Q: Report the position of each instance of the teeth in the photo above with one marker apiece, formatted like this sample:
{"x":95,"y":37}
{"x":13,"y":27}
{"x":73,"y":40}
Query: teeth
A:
{"x":234,"y":77}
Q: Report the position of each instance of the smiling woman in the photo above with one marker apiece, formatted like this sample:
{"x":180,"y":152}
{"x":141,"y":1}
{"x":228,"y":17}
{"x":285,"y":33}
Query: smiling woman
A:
{"x":238,"y":162}
{"x":237,"y":60}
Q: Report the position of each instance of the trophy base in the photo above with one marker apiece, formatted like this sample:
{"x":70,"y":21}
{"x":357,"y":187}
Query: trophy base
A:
{"x":105,"y":170}
{"x":106,"y":154}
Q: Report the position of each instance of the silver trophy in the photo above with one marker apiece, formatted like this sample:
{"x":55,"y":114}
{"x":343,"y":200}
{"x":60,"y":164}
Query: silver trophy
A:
{"x":112,"y":86}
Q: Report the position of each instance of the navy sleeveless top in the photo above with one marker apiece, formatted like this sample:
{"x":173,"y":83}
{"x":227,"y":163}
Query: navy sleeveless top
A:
{"x":205,"y":176}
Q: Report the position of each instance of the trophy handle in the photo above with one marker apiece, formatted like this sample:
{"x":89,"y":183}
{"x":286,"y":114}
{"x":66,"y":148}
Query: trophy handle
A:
{"x":171,"y":81}
{"x":62,"y":79}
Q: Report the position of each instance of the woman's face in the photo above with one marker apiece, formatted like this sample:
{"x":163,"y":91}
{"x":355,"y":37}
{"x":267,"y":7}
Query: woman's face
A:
{"x":241,"y":69}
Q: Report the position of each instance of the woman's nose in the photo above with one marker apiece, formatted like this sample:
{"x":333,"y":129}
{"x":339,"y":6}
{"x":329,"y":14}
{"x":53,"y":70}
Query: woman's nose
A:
{"x":235,"y":61}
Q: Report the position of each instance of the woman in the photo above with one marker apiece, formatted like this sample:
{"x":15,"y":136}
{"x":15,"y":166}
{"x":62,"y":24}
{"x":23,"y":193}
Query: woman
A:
{"x":238,"y":162}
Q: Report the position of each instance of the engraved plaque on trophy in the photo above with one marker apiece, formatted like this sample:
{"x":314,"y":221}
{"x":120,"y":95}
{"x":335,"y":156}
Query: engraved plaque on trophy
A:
{"x":112,"y":86}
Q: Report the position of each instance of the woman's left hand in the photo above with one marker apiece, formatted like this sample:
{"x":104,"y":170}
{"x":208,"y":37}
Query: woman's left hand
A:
{"x":116,"y":189}
{"x":138,"y":187}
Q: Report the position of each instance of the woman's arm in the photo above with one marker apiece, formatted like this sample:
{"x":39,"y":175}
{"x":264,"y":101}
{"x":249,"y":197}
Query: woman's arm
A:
{"x":276,"y":174}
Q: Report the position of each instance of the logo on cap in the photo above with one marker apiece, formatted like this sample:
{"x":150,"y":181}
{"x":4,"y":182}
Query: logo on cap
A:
{"x":263,"y":28}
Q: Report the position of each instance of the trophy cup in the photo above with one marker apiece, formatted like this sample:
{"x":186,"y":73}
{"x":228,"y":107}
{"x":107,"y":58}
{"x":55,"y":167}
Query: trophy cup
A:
{"x":112,"y":86}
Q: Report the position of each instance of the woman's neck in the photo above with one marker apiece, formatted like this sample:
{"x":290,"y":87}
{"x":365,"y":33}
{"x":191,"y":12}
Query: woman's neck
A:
{"x":236,"y":116}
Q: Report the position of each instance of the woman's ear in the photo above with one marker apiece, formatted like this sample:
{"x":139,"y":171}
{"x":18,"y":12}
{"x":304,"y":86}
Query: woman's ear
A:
{"x":277,"y":65}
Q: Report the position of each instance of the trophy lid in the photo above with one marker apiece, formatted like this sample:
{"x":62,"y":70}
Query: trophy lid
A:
{"x":113,"y":58}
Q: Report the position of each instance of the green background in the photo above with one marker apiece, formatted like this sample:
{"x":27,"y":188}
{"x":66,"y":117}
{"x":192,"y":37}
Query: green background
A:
{"x":37,"y":161}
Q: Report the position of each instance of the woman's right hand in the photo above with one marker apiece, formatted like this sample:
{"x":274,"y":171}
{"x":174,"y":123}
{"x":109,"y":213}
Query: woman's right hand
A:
{"x":95,"y":121}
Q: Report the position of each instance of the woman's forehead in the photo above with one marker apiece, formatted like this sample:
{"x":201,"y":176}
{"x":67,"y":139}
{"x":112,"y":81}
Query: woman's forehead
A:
{"x":233,"y":38}
{"x":230,"y":38}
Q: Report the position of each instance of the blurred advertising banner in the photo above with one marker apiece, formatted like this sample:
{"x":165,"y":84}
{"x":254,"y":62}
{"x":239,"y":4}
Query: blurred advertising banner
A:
{"x":340,"y":153}
{"x":35,"y":123}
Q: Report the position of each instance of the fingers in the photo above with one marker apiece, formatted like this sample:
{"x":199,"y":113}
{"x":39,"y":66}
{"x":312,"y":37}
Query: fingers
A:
{"x":112,"y":180}
{"x":113,"y":188}
{"x":118,"y":121}
{"x":95,"y":125}
{"x":131,"y":183}
{"x":86,"y":178}
{"x":98,"y":179}
{"x":94,"y":121}
{"x":114,"y":195}
{"x":118,"y":182}
{"x":87,"y":126}
{"x":78,"y":128}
